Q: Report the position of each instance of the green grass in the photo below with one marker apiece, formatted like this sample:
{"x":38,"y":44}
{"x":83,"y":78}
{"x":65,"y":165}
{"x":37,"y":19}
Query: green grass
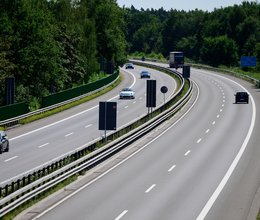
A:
{"x":38,"y":198}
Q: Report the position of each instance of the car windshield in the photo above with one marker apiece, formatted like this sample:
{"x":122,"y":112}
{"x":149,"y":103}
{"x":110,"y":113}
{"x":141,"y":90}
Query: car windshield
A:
{"x":127,"y":89}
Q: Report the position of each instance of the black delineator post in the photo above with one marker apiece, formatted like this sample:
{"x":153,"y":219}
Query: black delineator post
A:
{"x":107,"y":116}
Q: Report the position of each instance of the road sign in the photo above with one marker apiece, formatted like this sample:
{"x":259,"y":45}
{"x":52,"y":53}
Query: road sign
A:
{"x":107,"y":115}
{"x":151,"y":93}
{"x":247,"y":61}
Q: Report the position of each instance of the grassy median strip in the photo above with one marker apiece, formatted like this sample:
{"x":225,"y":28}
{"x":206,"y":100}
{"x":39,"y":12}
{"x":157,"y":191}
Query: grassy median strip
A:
{"x":86,"y":151}
{"x":40,"y":197}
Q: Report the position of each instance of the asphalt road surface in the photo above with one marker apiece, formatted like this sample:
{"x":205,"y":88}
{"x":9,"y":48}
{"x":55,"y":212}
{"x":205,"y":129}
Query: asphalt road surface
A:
{"x":203,"y":166}
{"x":43,"y":141}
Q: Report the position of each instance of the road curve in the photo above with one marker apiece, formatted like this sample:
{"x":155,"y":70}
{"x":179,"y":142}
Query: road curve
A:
{"x":203,"y":166}
{"x":43,"y":141}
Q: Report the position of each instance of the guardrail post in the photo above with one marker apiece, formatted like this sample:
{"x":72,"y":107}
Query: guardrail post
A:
{"x":12,"y":187}
{"x":29,"y":178}
{"x":24,"y":181}
{"x":6,"y":190}
{"x":18,"y":183}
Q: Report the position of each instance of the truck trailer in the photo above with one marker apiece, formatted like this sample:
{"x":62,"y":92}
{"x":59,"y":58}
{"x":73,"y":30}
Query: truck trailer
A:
{"x":176,"y":59}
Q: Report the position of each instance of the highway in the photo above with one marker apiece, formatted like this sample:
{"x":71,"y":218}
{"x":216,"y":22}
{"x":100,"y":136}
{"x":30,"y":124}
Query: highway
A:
{"x":203,"y":165}
{"x":43,"y":141}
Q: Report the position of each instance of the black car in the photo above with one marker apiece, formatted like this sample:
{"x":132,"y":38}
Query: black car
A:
{"x":241,"y":97}
{"x":145,"y":74}
{"x":129,"y":66}
{"x":4,"y":142}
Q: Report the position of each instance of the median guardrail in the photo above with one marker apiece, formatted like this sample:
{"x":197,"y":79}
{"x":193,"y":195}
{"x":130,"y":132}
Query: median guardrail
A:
{"x":28,"y":185}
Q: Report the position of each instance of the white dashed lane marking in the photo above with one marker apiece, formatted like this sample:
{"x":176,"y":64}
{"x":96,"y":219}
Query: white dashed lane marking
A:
{"x":150,"y":188}
{"x":199,"y":140}
{"x":187,"y":153}
{"x":69,"y":134}
{"x":43,"y":145}
{"x":12,"y":158}
{"x":121,"y":215}
{"x":171,"y":169}
{"x":87,"y":126}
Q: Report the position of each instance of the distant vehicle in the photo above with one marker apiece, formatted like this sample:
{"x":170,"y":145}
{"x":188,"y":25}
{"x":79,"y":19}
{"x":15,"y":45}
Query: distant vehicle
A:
{"x":145,"y":74}
{"x":127,"y":93}
{"x":241,"y":97}
{"x":129,"y":66}
{"x":176,"y":59}
{"x":4,"y":142}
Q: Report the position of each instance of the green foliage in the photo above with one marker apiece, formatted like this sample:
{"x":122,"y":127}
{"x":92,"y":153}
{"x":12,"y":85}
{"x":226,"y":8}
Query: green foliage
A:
{"x":218,"y":37}
{"x":219,"y":50}
{"x":53,"y":45}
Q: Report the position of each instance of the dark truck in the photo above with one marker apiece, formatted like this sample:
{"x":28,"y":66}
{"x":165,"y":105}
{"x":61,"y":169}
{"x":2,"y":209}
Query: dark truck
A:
{"x":176,"y":59}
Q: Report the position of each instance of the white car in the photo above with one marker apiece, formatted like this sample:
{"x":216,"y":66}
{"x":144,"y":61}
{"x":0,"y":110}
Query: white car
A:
{"x":127,"y":93}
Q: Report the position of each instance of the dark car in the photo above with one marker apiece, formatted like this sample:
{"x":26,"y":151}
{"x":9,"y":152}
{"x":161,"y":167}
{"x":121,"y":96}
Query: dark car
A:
{"x":145,"y":74}
{"x":129,"y":66}
{"x":4,"y":142}
{"x":241,"y":97}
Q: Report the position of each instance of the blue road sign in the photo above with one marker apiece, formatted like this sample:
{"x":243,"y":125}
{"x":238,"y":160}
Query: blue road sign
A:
{"x":247,"y":61}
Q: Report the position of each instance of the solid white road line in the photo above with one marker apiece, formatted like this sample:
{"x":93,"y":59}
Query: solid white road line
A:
{"x":43,"y":145}
{"x":12,"y":158}
{"x":150,"y":188}
{"x":121,"y":215}
{"x":232,"y":167}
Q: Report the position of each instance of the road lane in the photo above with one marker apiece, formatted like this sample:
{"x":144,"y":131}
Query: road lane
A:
{"x":182,"y":167}
{"x":73,"y":131}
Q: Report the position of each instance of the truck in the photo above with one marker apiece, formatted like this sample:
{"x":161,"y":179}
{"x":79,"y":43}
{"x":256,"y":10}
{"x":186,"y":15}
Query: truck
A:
{"x":176,"y":59}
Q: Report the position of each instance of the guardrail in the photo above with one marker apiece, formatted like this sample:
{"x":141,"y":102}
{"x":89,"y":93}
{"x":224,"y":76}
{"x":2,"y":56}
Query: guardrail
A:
{"x":242,"y":76}
{"x":16,"y":120}
{"x":25,"y":187}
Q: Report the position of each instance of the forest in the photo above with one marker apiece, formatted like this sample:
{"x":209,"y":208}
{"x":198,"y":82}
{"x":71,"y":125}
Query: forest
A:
{"x":53,"y":45}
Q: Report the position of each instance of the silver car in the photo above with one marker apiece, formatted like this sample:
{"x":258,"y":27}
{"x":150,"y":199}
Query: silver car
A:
{"x":4,"y":142}
{"x":127,"y":93}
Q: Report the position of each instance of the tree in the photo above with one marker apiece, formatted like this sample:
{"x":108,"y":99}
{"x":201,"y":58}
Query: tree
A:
{"x":219,"y":50}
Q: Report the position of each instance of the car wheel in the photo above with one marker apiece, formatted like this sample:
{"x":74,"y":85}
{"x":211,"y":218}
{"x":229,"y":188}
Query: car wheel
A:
{"x":1,"y":149}
{"x":7,"y":148}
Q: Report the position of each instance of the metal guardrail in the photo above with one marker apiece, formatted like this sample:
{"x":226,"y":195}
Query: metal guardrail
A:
{"x":59,"y":172}
{"x":242,"y":76}
{"x":16,"y":120}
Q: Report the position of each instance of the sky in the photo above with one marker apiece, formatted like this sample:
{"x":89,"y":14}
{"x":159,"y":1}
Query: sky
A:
{"x":205,"y":5}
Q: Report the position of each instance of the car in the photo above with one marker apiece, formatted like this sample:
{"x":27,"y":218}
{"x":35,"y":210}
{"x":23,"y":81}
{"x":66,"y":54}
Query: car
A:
{"x":4,"y":142}
{"x":145,"y":74}
{"x":127,"y":93}
{"x":129,"y":66}
{"x":241,"y":97}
